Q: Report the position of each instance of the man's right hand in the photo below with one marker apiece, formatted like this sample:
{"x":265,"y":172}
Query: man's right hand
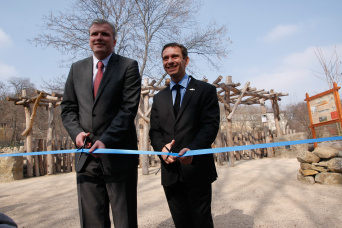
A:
{"x":80,"y":140}
{"x":168,"y":159}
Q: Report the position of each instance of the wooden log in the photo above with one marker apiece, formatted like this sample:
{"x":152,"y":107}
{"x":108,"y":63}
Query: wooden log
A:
{"x":229,"y":126}
{"x":58,"y":156}
{"x":40,"y":157}
{"x":65,"y":143}
{"x":238,"y":100}
{"x":236,"y":143}
{"x":36,"y":159}
{"x":34,"y":112}
{"x":28,"y":137}
{"x":145,"y":138}
{"x":219,"y":144}
{"x":50,"y":157}
{"x":45,"y":159}
{"x":276,"y":115}
{"x":69,"y":158}
{"x":72,"y":162}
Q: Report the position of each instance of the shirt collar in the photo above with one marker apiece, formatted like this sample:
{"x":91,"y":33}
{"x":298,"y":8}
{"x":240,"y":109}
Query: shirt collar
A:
{"x":183,"y":82}
{"x":104,"y":61}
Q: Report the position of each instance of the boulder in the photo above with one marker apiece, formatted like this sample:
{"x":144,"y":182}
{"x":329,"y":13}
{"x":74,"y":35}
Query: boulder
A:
{"x":305,"y":165}
{"x":319,"y":168}
{"x":307,"y":157}
{"x":11,"y":168}
{"x":306,"y":179}
{"x":326,"y":152}
{"x":335,"y":165}
{"x":309,"y":172}
{"x":329,"y":178}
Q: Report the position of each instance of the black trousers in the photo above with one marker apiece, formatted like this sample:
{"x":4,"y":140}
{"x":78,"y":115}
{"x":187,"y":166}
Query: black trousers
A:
{"x":190,"y":207}
{"x":96,"y":191}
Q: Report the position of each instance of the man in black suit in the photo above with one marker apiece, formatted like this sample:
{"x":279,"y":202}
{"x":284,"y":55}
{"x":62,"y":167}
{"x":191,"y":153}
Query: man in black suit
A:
{"x":185,"y":121}
{"x":100,"y":102}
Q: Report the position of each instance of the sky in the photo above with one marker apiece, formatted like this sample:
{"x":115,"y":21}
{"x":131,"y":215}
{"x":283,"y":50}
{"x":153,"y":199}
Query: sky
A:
{"x":274,"y":42}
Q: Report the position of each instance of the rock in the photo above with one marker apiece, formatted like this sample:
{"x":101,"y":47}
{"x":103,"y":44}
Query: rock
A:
{"x":306,"y":179}
{"x":323,"y":164}
{"x":335,"y":165}
{"x":319,"y":168}
{"x":325,"y":152}
{"x":11,"y":168}
{"x":305,"y":165}
{"x":307,"y":157}
{"x":329,"y":178}
{"x":309,"y":172}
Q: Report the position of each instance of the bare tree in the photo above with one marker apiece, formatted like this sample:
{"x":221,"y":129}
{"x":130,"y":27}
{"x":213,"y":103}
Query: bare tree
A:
{"x":331,"y":68}
{"x":20,"y":83}
{"x":143,"y":27}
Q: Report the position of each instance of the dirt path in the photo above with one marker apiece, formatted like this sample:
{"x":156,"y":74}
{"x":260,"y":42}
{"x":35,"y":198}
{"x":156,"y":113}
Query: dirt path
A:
{"x":254,"y":193}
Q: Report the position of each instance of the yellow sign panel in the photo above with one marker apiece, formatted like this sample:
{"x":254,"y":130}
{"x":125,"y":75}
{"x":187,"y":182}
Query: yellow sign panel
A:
{"x":323,"y":109}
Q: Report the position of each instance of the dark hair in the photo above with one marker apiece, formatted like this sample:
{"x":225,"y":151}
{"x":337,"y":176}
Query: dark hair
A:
{"x":103,"y":21}
{"x":181,"y":46}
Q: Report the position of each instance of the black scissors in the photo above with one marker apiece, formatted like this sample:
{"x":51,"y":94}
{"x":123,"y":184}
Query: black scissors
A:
{"x":169,"y":150}
{"x":84,"y":143}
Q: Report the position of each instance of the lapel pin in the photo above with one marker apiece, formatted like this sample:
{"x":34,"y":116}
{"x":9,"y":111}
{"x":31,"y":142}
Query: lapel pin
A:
{"x":192,"y":89}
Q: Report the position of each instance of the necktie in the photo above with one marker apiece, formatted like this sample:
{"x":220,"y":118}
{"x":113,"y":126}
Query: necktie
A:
{"x":98,"y":77}
{"x":176,"y":105}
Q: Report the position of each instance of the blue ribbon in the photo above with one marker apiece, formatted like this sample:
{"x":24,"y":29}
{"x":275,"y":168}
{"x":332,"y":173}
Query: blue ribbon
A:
{"x":189,"y":153}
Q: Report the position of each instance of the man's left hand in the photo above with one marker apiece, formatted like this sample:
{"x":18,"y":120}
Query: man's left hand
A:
{"x":97,"y":145}
{"x":187,"y":160}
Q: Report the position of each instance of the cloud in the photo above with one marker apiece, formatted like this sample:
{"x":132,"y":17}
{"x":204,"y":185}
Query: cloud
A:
{"x":5,"y":39}
{"x":295,"y":74}
{"x":280,"y":32}
{"x":6,"y":72}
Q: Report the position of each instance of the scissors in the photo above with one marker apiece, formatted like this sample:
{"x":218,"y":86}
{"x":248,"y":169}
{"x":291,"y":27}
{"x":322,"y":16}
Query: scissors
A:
{"x":84,"y":143}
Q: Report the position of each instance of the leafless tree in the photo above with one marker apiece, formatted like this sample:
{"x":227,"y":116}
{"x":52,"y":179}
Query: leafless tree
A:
{"x":297,"y":117}
{"x":143,"y":26}
{"x":20,"y":83}
{"x":331,"y":68}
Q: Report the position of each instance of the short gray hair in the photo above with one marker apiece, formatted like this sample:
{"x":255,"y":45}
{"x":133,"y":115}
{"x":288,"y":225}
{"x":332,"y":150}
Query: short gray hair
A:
{"x":103,"y":21}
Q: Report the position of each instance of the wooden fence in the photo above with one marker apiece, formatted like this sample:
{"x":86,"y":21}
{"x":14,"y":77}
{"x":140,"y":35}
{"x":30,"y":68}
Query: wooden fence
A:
{"x":61,"y":162}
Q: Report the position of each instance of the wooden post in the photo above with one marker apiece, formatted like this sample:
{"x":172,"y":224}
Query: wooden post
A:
{"x":36,"y":159}
{"x":69,"y":158}
{"x":40,"y":157}
{"x":58,"y":156}
{"x":65,"y":143}
{"x":50,"y":157}
{"x":219,"y":144}
{"x":29,"y":136}
{"x":276,"y":114}
{"x":229,"y":124}
{"x":145,"y":138}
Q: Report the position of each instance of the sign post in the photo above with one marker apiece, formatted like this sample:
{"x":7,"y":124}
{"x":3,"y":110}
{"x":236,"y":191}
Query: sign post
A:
{"x":324,"y":108}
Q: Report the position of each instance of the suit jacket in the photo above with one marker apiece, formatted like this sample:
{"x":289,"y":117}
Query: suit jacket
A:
{"x":110,"y":116}
{"x":196,"y":127}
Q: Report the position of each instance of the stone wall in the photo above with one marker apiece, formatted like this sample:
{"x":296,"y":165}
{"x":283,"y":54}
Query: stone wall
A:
{"x":11,"y":168}
{"x":323,"y":166}
{"x":293,"y":150}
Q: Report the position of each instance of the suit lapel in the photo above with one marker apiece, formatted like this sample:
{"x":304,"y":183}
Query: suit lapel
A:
{"x":187,"y":96}
{"x":88,"y":79}
{"x":168,"y":101}
{"x":112,"y":63}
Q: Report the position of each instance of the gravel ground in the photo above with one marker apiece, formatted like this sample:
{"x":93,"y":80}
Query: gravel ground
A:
{"x":254,"y":193}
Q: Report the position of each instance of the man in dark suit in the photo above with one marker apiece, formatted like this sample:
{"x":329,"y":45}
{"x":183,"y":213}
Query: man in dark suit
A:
{"x":186,"y":180}
{"x":99,"y":105}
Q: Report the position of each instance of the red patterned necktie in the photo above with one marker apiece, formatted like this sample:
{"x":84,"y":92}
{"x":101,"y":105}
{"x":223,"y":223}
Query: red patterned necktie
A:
{"x":98,"y":77}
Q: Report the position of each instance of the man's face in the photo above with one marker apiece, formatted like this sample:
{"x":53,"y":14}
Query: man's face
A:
{"x":174,"y":63}
{"x":101,"y":40}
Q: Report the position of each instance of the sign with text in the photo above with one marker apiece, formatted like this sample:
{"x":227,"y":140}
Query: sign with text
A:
{"x":323,"y":109}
